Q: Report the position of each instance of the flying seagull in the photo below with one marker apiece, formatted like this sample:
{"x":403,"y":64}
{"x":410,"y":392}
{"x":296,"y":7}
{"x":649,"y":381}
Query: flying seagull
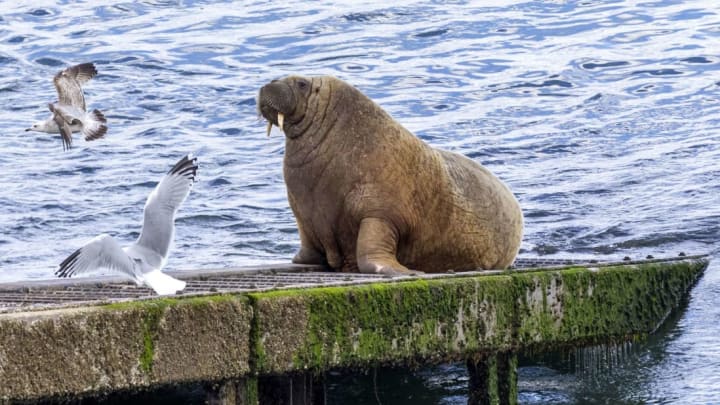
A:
{"x":143,"y":260}
{"x":68,"y":113}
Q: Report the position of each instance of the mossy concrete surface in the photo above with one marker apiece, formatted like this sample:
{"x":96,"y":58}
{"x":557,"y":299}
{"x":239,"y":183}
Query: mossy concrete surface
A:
{"x":443,"y":319}
{"x":146,"y":343}
{"x":585,"y":306}
{"x":126,"y":345}
{"x":384,"y":323}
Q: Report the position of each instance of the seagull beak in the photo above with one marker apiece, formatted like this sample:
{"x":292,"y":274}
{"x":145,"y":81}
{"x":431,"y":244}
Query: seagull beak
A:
{"x":28,"y":129}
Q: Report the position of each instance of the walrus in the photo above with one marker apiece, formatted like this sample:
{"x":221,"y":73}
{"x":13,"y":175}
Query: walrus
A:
{"x":369,"y":196}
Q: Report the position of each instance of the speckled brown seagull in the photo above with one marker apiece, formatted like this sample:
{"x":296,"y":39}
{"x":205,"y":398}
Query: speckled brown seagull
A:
{"x":68,"y":113}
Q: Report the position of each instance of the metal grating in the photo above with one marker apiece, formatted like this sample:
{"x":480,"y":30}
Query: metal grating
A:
{"x":21,"y":296}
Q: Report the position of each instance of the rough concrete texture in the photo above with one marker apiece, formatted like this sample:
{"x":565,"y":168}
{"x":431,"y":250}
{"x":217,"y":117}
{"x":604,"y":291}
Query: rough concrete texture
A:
{"x":206,"y":338}
{"x":131,"y":345}
{"x":390,"y":323}
{"x":434,"y":320}
{"x":581,"y":306}
{"x":281,"y":325}
{"x":120,"y":346}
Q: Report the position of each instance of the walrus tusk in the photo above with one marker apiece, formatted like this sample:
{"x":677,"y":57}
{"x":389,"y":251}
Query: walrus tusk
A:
{"x":269,"y":127}
{"x":281,"y":119}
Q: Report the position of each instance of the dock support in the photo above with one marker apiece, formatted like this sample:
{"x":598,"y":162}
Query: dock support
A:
{"x":293,"y":389}
{"x":233,"y":392}
{"x":493,"y":379}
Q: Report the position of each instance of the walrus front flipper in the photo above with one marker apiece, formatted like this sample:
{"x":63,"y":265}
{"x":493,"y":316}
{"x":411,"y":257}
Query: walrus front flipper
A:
{"x":308,"y":255}
{"x":376,"y":249}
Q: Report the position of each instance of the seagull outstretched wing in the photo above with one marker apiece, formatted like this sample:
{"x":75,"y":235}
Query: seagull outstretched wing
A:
{"x":68,"y":84}
{"x":159,"y":216}
{"x":103,"y":251}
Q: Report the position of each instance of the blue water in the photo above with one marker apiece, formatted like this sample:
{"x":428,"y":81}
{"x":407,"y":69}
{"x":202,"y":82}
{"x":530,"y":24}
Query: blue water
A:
{"x":603,"y":117}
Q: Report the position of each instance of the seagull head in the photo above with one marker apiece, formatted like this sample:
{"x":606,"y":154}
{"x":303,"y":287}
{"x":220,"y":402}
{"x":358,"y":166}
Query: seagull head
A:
{"x":43,"y":126}
{"x":38,"y":126}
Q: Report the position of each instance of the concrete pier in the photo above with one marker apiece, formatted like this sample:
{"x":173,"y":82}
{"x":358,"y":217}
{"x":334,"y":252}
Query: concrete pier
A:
{"x":242,"y":331}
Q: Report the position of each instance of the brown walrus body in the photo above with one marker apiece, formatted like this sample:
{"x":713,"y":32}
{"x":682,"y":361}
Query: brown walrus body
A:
{"x":370,"y":196}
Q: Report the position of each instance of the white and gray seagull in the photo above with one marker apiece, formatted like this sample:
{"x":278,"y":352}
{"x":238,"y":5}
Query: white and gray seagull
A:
{"x":143,"y":260}
{"x":69,"y":113}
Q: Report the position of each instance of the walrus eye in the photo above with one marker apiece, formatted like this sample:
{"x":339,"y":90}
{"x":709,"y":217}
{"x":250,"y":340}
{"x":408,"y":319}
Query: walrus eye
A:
{"x":302,"y":84}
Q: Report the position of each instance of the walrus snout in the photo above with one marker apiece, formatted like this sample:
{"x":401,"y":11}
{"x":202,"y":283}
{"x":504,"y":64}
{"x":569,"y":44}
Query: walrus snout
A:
{"x":275,"y":101}
{"x":276,"y":97}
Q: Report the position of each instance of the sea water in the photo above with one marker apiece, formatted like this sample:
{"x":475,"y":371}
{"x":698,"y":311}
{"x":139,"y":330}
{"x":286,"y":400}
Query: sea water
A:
{"x":602,"y":117}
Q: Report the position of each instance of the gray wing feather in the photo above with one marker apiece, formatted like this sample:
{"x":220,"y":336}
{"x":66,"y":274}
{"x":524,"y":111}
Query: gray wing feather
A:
{"x":68,"y":84}
{"x":102,"y":251}
{"x":83,"y":72}
{"x":64,"y":117}
{"x":159,"y":215}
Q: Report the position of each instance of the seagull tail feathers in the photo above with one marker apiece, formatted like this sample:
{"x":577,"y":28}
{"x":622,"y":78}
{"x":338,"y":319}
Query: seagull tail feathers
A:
{"x":162,"y":283}
{"x":95,"y":125}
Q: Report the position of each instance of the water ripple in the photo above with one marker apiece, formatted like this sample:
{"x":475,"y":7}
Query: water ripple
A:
{"x":603,"y":118}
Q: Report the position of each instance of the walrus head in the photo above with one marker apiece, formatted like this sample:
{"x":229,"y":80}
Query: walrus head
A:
{"x":283,"y":103}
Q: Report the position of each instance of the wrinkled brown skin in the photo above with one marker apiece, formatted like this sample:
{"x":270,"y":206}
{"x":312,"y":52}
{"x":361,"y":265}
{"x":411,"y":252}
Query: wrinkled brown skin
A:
{"x":370,"y":196}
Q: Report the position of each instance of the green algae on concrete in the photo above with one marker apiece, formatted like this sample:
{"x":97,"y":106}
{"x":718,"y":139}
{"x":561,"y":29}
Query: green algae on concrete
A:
{"x":442,"y":319}
{"x":140,"y":344}
{"x":210,"y":334}
{"x":125,"y":345}
{"x":151,"y":314}
{"x":384,"y":323}
{"x":582,"y":306}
